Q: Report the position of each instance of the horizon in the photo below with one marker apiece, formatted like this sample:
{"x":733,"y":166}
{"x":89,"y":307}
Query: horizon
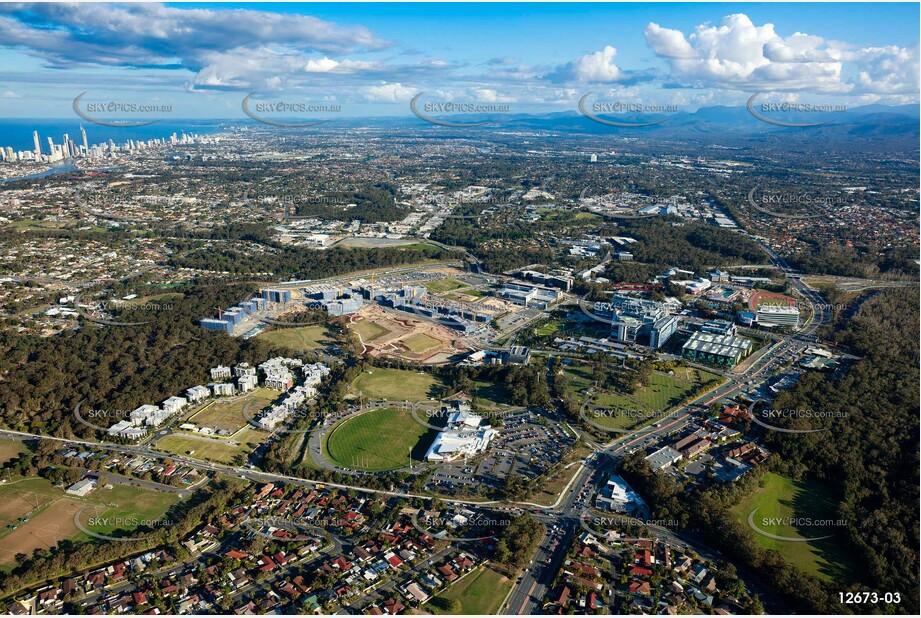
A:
{"x":369,"y":61}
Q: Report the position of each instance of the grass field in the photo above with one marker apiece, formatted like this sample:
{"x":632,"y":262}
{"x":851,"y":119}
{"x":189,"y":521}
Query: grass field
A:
{"x":650,"y":402}
{"x":490,"y":394}
{"x":124,"y":502}
{"x":299,"y":337}
{"x":580,"y":378}
{"x":396,"y":385}
{"x":368,"y":330}
{"x":222,"y":451}
{"x":479,"y":593}
{"x":782,"y":497}
{"x":443,"y":285}
{"x":377,"y":440}
{"x":549,"y":327}
{"x":420,"y":342}
{"x":228,"y":414}
{"x":10,"y":449}
{"x":49,"y":513}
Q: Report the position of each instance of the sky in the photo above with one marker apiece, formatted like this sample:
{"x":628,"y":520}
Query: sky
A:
{"x":200,"y":60}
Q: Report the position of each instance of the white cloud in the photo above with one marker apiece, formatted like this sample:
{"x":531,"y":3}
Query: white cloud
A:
{"x":597,"y":67}
{"x":739,"y":55}
{"x":889,"y":70}
{"x":389,"y":93}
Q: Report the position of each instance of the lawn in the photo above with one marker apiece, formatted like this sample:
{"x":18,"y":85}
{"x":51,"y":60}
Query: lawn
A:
{"x":377,"y":440}
{"x":651,"y":402}
{"x":580,"y":379}
{"x":123,"y":503}
{"x":480,"y":593}
{"x":549,"y":327}
{"x":782,"y":497}
{"x":490,"y":394}
{"x":443,"y":285}
{"x":222,"y":451}
{"x":396,"y":385}
{"x":420,"y":342}
{"x":10,"y":449}
{"x":228,"y":413}
{"x":368,"y":330}
{"x":299,"y":337}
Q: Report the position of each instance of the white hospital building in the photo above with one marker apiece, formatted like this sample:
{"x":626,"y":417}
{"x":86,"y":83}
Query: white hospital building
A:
{"x":464,"y":435}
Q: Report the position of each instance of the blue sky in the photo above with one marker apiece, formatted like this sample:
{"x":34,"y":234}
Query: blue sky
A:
{"x":201,"y":59}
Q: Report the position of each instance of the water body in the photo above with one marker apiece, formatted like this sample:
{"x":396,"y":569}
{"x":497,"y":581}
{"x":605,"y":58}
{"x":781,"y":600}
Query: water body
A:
{"x":18,"y":133}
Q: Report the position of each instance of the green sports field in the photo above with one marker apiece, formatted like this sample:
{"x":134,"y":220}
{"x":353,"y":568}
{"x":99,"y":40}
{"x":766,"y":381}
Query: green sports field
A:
{"x":420,"y":342}
{"x":783,"y":497}
{"x":377,"y":440}
{"x":396,"y":385}
{"x":444,"y":285}
{"x":213,"y":449}
{"x":480,"y":593}
{"x":368,"y":330}
{"x":36,"y":514}
{"x":299,"y":337}
{"x":10,"y":449}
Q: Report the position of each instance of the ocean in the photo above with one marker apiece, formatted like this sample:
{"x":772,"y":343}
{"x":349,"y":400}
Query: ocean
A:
{"x":18,"y":133}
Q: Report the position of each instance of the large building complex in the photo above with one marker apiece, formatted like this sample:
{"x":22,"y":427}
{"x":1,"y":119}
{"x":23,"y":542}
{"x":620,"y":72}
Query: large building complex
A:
{"x":715,"y":349}
{"x":463,"y":436}
{"x":635,"y":320}
{"x":527,"y":295}
{"x":778,"y":315}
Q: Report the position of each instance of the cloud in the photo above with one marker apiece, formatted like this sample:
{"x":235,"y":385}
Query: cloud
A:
{"x":597,"y":67}
{"x":156,"y":35}
{"x":739,"y":55}
{"x":889,"y":70}
{"x":389,"y":93}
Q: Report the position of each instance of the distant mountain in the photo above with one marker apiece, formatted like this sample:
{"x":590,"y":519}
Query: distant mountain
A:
{"x":869,"y":121}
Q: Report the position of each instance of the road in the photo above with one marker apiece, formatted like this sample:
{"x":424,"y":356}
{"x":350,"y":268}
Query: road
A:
{"x":562,"y":520}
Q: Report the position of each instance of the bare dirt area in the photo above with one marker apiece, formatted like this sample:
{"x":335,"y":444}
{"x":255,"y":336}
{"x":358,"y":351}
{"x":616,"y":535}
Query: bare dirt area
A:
{"x":52,"y":525}
{"x":397,"y":334}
